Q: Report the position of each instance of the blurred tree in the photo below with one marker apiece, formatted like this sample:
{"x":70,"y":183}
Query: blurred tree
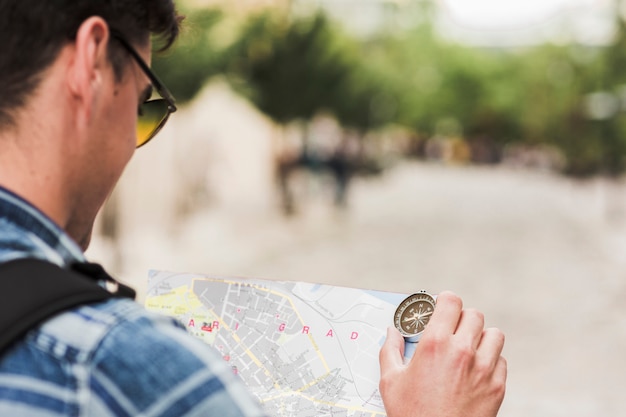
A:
{"x":554,"y":113}
{"x":435,"y":83}
{"x":584,"y":93}
{"x":292,"y":67}
{"x":366,"y":99}
{"x":289,"y":68}
{"x":611,"y":130}
{"x":197,"y":55}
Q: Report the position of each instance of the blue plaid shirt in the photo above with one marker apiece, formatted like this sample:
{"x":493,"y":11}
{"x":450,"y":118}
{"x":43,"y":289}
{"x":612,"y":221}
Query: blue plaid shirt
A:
{"x":106,"y":359}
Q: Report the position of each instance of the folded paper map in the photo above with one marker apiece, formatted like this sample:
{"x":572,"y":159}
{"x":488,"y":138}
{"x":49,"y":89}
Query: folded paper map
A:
{"x":303,"y":349}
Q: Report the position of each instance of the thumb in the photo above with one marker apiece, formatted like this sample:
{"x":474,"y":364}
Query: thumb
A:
{"x":392,"y":352}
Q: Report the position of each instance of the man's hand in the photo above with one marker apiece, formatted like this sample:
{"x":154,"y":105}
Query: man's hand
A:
{"x":457,"y":370}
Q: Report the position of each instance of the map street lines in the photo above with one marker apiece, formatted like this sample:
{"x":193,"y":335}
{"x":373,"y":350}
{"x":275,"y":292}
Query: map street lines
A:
{"x":304,"y":350}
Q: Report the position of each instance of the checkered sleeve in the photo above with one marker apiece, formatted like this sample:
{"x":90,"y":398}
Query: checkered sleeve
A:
{"x":151,"y":367}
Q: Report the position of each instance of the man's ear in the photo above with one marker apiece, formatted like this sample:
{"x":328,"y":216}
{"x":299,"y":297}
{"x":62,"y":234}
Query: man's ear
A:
{"x":87,"y":68}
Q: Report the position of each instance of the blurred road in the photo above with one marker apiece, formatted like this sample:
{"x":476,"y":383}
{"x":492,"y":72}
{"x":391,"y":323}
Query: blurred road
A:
{"x":544,"y":257}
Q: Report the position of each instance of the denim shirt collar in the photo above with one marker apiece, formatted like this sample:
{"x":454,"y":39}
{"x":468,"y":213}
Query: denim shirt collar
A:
{"x":25,"y":231}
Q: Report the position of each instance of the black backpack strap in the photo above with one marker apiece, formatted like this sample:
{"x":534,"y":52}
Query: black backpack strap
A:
{"x":33,"y":290}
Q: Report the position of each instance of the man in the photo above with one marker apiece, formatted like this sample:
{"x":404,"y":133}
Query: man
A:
{"x":73,"y":74}
{"x":73,"y":77}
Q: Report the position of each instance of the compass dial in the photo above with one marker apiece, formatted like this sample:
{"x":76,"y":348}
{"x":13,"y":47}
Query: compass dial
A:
{"x":413,"y":314}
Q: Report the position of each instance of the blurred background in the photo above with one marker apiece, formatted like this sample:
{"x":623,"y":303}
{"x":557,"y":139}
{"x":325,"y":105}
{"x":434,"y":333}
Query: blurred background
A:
{"x":471,"y":145}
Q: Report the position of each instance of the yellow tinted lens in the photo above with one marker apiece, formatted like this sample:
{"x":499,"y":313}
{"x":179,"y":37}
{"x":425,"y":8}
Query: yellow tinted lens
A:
{"x":151,"y":115}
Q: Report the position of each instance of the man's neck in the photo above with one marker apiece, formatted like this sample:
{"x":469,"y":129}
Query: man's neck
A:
{"x":30,"y":168}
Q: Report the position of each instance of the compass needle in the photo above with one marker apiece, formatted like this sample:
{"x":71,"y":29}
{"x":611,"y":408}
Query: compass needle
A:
{"x":413,"y":314}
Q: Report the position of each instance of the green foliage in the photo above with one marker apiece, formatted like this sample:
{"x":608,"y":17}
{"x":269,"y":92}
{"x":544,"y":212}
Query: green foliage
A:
{"x":194,"y":58}
{"x":592,"y":144}
{"x":291,"y":68}
{"x":533,"y":96}
{"x":367,"y":96}
{"x":433,"y":81}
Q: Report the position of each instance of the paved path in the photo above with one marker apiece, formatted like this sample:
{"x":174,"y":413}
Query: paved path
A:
{"x":538,"y":254}
{"x":542,"y":256}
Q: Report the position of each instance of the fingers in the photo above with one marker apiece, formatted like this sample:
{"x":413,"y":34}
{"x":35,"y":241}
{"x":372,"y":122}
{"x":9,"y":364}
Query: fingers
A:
{"x":470,"y":327}
{"x":498,"y":380}
{"x":467,"y":326}
{"x":490,"y":363}
{"x":446,"y":316}
{"x":500,"y":372}
{"x":392,"y":351}
{"x":491,"y":345}
{"x":492,"y":341}
{"x":457,"y":369}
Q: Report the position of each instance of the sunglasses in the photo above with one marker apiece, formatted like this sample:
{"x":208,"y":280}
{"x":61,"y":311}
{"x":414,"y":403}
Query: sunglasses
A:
{"x":153,"y":113}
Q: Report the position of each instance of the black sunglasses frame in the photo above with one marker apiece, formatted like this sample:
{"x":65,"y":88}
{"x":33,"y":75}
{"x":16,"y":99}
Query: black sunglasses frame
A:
{"x":156,"y":83}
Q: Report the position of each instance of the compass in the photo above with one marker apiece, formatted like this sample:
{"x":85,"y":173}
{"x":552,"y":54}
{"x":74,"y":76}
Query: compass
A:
{"x":413,"y":314}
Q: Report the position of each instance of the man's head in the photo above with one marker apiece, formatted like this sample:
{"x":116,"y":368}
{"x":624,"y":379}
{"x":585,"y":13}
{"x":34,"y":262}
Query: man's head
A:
{"x":34,"y":31}
{"x":72,"y":79}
